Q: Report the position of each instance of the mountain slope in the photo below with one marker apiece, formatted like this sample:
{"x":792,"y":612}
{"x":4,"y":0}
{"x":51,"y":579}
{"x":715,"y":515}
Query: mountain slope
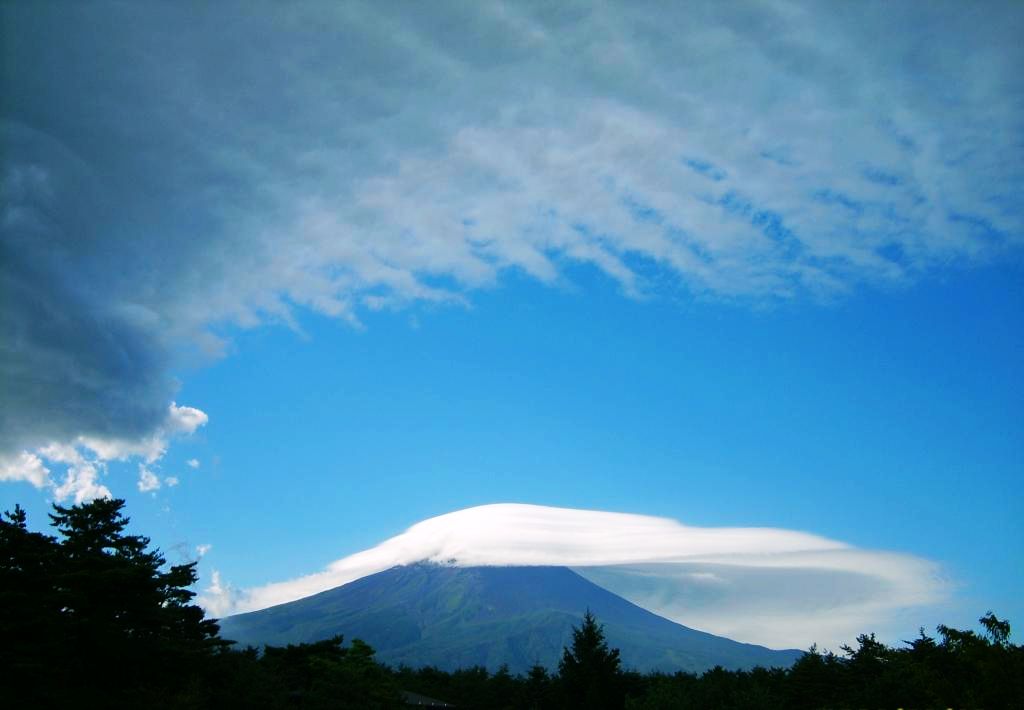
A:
{"x":451,"y":617}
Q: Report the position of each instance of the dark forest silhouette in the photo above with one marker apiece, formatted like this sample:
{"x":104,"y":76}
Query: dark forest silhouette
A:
{"x":92,"y":617}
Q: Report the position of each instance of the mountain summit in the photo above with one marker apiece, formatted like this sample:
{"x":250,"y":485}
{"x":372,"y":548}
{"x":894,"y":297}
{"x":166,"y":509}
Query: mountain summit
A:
{"x":452,"y":617}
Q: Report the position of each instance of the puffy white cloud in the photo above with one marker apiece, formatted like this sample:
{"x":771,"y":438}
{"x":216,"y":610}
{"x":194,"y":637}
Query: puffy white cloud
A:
{"x":219,"y":598}
{"x":178,"y":421}
{"x":193,"y":463}
{"x":171,"y":481}
{"x":201,"y":550}
{"x":81,"y":474}
{"x":148,"y":481}
{"x":85,"y":458}
{"x":81,"y":484}
{"x":24,"y":467}
{"x":184,"y":420}
{"x":766,"y":585}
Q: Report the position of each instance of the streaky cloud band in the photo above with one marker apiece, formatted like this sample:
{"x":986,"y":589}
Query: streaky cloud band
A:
{"x":413,"y":165}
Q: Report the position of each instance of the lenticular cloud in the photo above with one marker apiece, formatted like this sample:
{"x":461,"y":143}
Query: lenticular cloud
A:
{"x":764,"y":585}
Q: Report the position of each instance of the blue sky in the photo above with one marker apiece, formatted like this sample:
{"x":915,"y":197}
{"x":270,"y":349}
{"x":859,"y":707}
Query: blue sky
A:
{"x":761,"y":270}
{"x":890,"y":420}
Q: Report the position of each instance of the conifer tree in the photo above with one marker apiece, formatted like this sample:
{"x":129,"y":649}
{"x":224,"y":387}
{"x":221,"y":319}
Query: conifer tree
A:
{"x":590,"y":671}
{"x":98,"y":618}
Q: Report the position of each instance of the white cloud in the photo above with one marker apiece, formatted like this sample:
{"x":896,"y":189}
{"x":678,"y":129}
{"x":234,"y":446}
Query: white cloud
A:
{"x":61,"y":453}
{"x":179,"y":421}
{"x":81,"y":474}
{"x":24,"y":467}
{"x":722,"y":580}
{"x":193,"y":463}
{"x":85,"y":457}
{"x":81,"y":484}
{"x":775,"y":183}
{"x":201,"y":550}
{"x":81,"y":479}
{"x":218,"y":599}
{"x":184,"y":420}
{"x":148,"y":480}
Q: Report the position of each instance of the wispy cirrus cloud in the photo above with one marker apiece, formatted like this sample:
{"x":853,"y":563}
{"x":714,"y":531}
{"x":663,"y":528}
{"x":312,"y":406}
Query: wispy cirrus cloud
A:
{"x":165,"y":183}
{"x":764,"y":585}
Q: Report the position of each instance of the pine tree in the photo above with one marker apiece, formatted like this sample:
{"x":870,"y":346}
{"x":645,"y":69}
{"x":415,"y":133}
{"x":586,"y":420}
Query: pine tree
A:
{"x":29,"y":609}
{"x":590,"y":671}
{"x":97,"y":612}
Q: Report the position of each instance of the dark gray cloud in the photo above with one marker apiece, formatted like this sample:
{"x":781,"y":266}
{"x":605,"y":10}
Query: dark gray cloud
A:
{"x":171,"y":168}
{"x":78,"y":356}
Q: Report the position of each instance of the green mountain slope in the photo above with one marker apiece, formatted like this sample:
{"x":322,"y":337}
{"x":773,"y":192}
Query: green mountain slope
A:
{"x":453,"y":617}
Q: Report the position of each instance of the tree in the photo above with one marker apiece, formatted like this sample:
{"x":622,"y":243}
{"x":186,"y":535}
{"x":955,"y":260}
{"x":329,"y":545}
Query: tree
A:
{"x":29,"y":610}
{"x":590,"y":671}
{"x":537,"y":688}
{"x":997,"y":630}
{"x":97,"y":612}
{"x":325,"y":674}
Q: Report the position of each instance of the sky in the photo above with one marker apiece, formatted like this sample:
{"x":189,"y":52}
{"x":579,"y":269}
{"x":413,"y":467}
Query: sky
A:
{"x":298,"y":281}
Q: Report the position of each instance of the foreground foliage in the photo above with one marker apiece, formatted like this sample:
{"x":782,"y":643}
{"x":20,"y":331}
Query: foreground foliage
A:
{"x":91,"y":618}
{"x":93,"y":609}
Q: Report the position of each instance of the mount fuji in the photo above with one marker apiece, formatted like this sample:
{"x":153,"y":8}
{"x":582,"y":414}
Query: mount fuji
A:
{"x":455,"y":617}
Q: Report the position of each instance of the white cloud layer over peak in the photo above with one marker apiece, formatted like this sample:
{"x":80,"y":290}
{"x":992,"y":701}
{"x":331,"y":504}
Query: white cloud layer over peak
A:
{"x":349,"y":156}
{"x":764,"y":585}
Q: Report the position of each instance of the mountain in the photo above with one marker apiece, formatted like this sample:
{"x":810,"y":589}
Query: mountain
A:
{"x":452,"y":617}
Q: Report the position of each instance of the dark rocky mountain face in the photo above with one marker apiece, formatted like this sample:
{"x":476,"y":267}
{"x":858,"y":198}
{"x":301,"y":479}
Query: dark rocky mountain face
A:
{"x":452,"y":617}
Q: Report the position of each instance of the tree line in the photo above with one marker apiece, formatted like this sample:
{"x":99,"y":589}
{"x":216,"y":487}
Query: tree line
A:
{"x":92,"y":617}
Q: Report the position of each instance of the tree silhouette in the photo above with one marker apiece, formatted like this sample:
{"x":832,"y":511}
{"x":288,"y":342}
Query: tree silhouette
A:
{"x":95,"y":614}
{"x":590,"y":671}
{"x":29,"y":610}
{"x":91,"y":617}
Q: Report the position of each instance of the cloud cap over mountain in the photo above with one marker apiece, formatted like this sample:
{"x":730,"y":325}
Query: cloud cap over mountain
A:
{"x":762,"y":585}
